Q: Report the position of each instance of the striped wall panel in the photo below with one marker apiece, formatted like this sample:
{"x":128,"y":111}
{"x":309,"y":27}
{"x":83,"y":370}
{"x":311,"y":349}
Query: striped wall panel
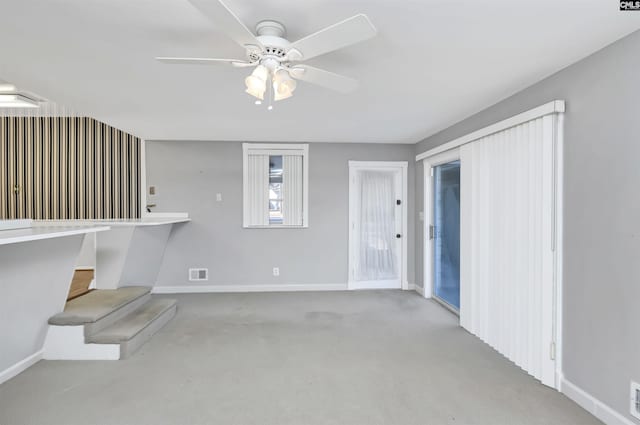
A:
{"x":67,"y":168}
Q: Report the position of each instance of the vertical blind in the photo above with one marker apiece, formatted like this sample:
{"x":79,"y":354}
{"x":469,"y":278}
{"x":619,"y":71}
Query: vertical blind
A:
{"x":67,"y":168}
{"x":507,"y":258}
{"x":292,"y":190}
{"x":257,"y":196}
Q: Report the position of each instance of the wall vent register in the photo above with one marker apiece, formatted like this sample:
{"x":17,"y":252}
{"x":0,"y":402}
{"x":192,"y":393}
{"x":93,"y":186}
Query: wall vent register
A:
{"x":198,"y":274}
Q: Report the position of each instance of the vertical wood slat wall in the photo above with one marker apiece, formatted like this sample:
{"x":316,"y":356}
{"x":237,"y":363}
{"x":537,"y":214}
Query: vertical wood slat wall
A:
{"x":67,"y":168}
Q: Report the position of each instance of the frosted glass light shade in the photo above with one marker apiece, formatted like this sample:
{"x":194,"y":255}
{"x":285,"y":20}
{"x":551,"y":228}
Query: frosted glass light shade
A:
{"x":283,"y":85}
{"x":257,"y":82}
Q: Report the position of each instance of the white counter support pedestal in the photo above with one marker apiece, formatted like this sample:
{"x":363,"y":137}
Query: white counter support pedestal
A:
{"x":36,"y":268}
{"x":131,"y":253}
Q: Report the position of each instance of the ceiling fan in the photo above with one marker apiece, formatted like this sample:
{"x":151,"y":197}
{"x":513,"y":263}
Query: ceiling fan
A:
{"x":277,"y":61}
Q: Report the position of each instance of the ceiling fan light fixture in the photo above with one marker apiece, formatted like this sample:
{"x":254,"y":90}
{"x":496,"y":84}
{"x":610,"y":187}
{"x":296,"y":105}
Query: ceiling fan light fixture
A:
{"x":277,"y":60}
{"x":281,"y":96}
{"x":17,"y":101}
{"x":7,"y":88}
{"x":258,"y":94}
{"x":283,"y":85}
{"x":257,"y":82}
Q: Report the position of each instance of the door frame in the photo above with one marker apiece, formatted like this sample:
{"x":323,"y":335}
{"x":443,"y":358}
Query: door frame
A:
{"x":401,"y":166}
{"x":430,"y":162}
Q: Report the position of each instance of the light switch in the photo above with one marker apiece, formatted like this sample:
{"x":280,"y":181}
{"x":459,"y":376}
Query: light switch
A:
{"x":152,"y":191}
{"x":421,"y":216}
{"x":218,"y":197}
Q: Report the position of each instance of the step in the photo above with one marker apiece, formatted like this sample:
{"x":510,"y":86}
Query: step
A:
{"x":111,"y":318}
{"x":133,"y":330}
{"x":98,"y":304}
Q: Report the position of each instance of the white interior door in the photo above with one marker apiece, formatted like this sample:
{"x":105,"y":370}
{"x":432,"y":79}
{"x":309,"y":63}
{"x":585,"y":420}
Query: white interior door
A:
{"x":377,"y":234}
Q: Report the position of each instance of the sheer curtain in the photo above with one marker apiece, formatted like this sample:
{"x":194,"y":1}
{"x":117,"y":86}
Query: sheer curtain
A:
{"x":375,"y":233}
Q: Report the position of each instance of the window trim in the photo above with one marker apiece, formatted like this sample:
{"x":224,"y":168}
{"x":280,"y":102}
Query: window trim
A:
{"x":276,"y":149}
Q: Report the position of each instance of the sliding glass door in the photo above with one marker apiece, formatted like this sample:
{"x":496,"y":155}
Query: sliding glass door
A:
{"x":446,"y":234}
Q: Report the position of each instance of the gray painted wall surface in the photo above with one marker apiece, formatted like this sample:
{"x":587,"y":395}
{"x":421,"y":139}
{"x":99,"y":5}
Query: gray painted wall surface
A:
{"x":601,"y":213}
{"x":189,"y":174}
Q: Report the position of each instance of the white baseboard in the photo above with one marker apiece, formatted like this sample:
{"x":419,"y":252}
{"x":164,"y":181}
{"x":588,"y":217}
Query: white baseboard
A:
{"x":419,"y":289}
{"x":191,"y":289}
{"x":592,"y":405}
{"x":194,"y":289}
{"x":374,"y":284}
{"x":19,"y":367}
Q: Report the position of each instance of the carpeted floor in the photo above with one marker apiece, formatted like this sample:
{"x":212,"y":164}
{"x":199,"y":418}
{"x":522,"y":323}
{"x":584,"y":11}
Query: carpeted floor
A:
{"x":366,"y":357}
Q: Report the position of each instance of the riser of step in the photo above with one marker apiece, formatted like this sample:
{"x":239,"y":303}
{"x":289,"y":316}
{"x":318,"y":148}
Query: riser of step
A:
{"x":129,"y":347}
{"x":110,"y":319}
{"x":133,"y":330}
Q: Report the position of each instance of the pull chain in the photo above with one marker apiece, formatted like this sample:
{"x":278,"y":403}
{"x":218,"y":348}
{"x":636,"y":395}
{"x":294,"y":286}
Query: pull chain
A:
{"x":270,"y":107}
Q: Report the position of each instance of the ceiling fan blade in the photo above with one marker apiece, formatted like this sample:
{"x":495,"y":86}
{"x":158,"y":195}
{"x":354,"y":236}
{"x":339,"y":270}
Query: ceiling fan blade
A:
{"x":226,"y":21}
{"x":350,"y":31}
{"x":323,"y":78}
{"x":203,"y":61}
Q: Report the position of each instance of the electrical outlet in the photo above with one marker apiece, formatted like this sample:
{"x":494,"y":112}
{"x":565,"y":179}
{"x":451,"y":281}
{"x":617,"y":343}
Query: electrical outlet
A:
{"x":276,"y":271}
{"x":421,"y":216}
{"x":153,"y":190}
{"x":634,"y":400}
{"x":218,"y":197}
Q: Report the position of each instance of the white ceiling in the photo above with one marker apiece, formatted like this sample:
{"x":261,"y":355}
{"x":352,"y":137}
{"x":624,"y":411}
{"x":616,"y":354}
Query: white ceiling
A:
{"x":433,"y":63}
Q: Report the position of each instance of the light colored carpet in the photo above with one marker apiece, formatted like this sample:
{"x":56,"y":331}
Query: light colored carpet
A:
{"x":375,"y":357}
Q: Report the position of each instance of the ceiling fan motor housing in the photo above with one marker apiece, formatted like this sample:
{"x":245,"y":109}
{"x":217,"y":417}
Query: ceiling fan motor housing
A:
{"x":271,"y":28}
{"x":271,"y":35}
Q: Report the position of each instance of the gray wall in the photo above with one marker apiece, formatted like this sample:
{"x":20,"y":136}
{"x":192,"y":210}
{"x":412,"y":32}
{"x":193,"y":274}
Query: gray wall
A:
{"x":189,"y":174}
{"x":601,"y":213}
